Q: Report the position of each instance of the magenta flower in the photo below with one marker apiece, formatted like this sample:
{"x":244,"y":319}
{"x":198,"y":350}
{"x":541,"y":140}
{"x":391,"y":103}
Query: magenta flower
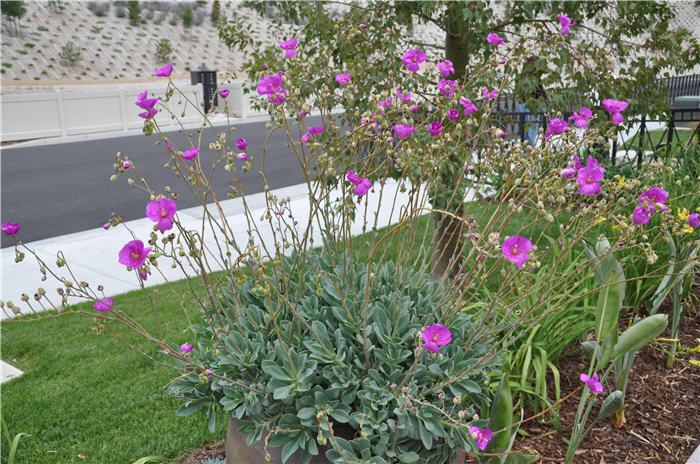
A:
{"x":223,"y":93}
{"x":105,"y":226}
{"x":577,"y":162}
{"x":469,"y":106}
{"x":452,"y":114}
{"x":565,"y":22}
{"x":580,"y":118}
{"x":10,"y":228}
{"x":435,"y":336}
{"x":640,"y":215}
{"x":481,"y":437}
{"x":165,"y":71}
{"x":303,"y":114}
{"x":501,"y":134}
{"x":191,"y":154}
{"x":305,"y":138}
{"x":515,"y":248}
{"x":446,"y":68}
{"x":412,"y":59}
{"x":487,"y":94}
{"x":502,"y":61}
{"x":148,"y":114}
{"x":168,"y":144}
{"x":693,"y":220}
{"x":208,"y":372}
{"x":278,"y":97}
{"x":403,"y":97}
{"x":142,"y":95}
{"x":615,"y":107}
{"x":289,"y":46}
{"x":343,"y":78}
{"x":162,"y":212}
{"x":127,"y":164}
{"x":385,"y":103}
{"x":316,"y":129}
{"x":435,"y":128}
{"x":146,"y":103}
{"x":568,"y":172}
{"x":243,"y":156}
{"x":103,"y":305}
{"x":265,"y":67}
{"x":363,"y":26}
{"x":403,"y":130}
{"x":414,"y":108}
{"x":241,"y":144}
{"x":493,"y":39}
{"x":653,"y":197}
{"x":269,"y":85}
{"x":447,"y":87}
{"x":186,"y":348}
{"x":134,"y":254}
{"x":556,"y":127}
{"x":592,"y":382}
{"x":362,"y":184}
{"x":588,"y":179}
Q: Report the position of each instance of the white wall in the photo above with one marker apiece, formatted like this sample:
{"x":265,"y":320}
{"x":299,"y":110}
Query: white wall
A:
{"x":87,"y":109}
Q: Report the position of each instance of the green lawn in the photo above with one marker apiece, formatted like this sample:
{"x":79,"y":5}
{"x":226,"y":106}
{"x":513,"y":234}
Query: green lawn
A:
{"x":90,"y":395}
{"x":659,"y":136}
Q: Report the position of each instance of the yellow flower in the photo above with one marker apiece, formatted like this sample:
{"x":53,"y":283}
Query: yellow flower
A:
{"x":621,"y":182}
{"x":687,"y":229}
{"x":599,"y":219}
{"x":682,"y":214}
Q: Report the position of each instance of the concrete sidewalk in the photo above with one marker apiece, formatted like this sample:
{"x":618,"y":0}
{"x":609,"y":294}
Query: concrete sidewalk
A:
{"x":92,"y":255}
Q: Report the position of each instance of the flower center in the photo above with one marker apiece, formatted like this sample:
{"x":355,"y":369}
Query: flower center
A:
{"x":589,"y":179}
{"x":436,"y":337}
{"x":163,"y":213}
{"x":136,"y":255}
{"x":514,"y":250}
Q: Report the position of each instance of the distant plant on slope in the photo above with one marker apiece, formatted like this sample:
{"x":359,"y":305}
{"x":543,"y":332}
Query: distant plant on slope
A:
{"x":13,"y":12}
{"x":70,"y":54}
{"x":215,"y":12}
{"x":163,"y":50}
{"x":134,"y":12}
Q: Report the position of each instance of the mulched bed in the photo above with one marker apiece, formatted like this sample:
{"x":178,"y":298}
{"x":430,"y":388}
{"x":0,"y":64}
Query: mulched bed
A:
{"x":662,"y":410}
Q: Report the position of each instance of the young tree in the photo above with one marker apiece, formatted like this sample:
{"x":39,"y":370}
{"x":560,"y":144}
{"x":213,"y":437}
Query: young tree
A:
{"x":216,"y":12}
{"x":614,"y":50}
{"x":134,"y":12}
{"x":13,"y":12}
{"x":187,"y":20}
{"x":163,"y":50}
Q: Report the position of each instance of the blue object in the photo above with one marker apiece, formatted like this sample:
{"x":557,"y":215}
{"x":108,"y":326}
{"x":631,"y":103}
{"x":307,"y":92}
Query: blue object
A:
{"x":530,"y":134}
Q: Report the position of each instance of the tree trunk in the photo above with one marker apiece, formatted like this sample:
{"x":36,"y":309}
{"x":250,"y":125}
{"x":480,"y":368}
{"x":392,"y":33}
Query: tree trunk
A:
{"x":448,"y":240}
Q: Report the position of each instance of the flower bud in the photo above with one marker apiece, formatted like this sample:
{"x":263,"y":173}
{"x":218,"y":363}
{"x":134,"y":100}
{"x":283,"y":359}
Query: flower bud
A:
{"x":113,"y":178}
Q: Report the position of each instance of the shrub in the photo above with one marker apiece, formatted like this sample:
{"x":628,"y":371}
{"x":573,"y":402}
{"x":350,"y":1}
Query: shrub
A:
{"x":163,"y":50}
{"x":134,"y":12}
{"x":121,"y":12}
{"x":70,"y":54}
{"x":29,"y":45}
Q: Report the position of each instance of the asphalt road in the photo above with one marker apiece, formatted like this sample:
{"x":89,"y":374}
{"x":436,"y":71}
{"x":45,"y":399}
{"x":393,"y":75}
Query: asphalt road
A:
{"x":64,"y":188}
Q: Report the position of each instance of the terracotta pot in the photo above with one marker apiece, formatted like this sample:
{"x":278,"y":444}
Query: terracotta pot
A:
{"x":238,"y":452}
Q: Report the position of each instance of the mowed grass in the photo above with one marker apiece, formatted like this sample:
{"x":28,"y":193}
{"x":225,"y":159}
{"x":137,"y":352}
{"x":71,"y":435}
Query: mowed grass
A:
{"x":86,"y":397}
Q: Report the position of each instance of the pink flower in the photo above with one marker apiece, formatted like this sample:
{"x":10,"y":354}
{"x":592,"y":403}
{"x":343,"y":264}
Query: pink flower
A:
{"x":493,"y":39}
{"x":580,"y":118}
{"x":568,"y":172}
{"x":502,"y":61}
{"x":269,"y":85}
{"x":169,"y":145}
{"x":654,"y":197}
{"x":208,"y":372}
{"x":403,"y":97}
{"x":487,"y":94}
{"x":290,"y":47}
{"x":278,"y":97}
{"x":127,"y":164}
{"x":592,"y":382}
{"x":241,"y":144}
{"x":469,"y":106}
{"x":435,"y":128}
{"x":362,"y":184}
{"x":588,"y":179}
{"x":577,"y":162}
{"x":412,"y":59}
{"x":343,"y":78}
{"x":481,"y":437}
{"x":640,"y":215}
{"x":385,"y":103}
{"x":10,"y":228}
{"x":303,"y":114}
{"x":556,"y":127}
{"x":103,"y":305}
{"x":265,"y":67}
{"x":501,"y":134}
{"x":615,"y":107}
{"x":105,"y":226}
{"x":146,"y":103}
{"x":191,"y":154}
{"x":148,"y":114}
{"x":447,"y":88}
{"x":435,"y":336}
{"x":414,"y":108}
{"x":515,"y":249}
{"x":186,"y":348}
{"x":162,"y":212}
{"x":316,"y":129}
{"x":363,"y":26}
{"x":452,"y":114}
{"x":565,"y":22}
{"x":305,"y":138}
{"x":693,"y":220}
{"x":134,"y":254}
{"x":403,"y":130}
{"x":224,"y":93}
{"x":243,"y":156}
{"x":446,"y":68}
{"x":142,"y":95}
{"x":165,"y":71}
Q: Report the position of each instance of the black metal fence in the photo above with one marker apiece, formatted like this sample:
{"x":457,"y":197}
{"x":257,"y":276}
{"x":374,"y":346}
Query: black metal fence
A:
{"x":518,"y":122}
